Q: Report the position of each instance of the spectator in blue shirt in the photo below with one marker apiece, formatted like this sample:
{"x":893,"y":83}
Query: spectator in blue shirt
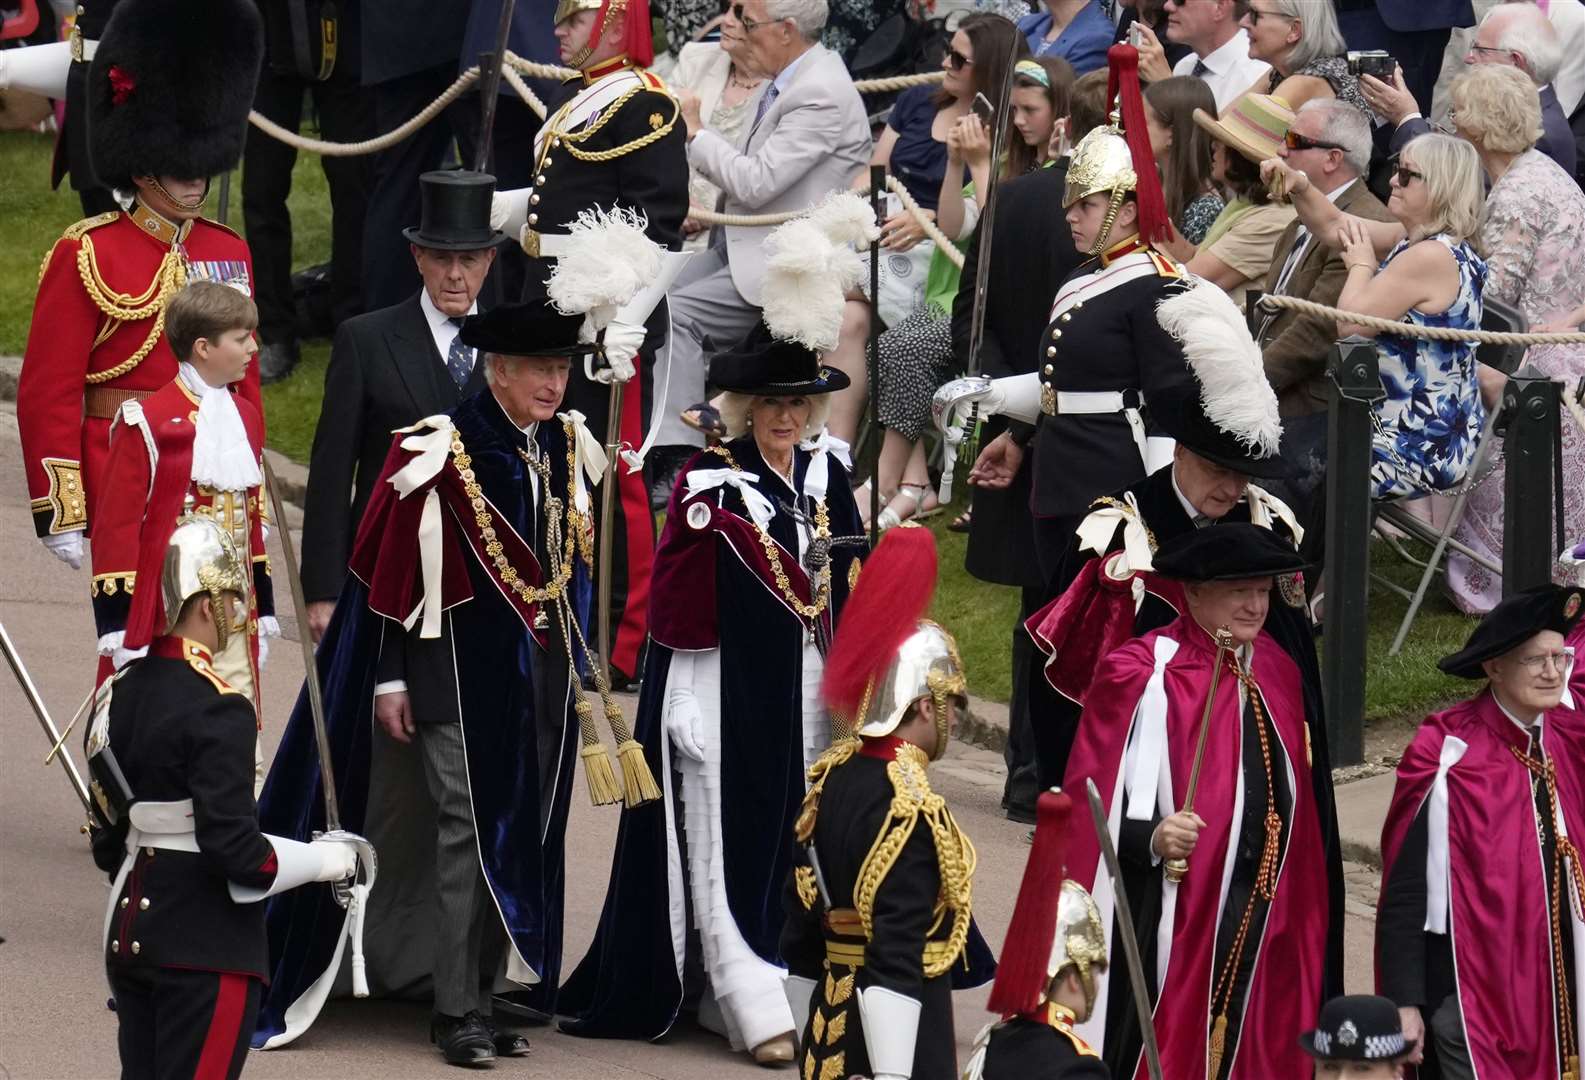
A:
{"x":1078,"y":31}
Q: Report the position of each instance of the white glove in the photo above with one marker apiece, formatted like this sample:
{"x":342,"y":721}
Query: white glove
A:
{"x":67,"y":547}
{"x":338,"y":860}
{"x":297,"y":863}
{"x":121,"y":657}
{"x":509,"y":211}
{"x":269,"y":627}
{"x":621,"y":344}
{"x":683,"y":721}
{"x":891,"y":1028}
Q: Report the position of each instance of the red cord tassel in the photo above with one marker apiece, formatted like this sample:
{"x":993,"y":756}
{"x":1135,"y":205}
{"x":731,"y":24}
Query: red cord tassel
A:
{"x":1122,"y":86}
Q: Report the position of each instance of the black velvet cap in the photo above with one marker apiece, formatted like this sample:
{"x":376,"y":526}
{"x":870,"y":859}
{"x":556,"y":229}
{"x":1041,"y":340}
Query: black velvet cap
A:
{"x":1228,"y":552}
{"x":533,"y":329}
{"x":1357,"y":1027}
{"x":1515,"y":620}
{"x":1179,"y":413}
{"x":767,"y":366}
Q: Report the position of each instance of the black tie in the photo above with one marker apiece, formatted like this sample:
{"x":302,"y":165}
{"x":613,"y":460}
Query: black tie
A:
{"x":459,"y":358}
{"x":1199,"y":69}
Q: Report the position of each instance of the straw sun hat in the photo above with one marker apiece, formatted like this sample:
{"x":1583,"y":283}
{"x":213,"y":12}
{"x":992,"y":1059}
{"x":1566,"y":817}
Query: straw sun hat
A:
{"x":1254,"y":125}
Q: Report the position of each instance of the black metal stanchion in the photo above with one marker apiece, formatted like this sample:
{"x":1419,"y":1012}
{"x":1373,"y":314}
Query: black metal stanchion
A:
{"x":1355,"y":387}
{"x":1532,"y":409}
{"x":873,"y":358}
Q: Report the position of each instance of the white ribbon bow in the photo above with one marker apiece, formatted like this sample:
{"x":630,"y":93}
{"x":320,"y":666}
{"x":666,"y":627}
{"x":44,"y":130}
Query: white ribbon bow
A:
{"x":760,"y":509}
{"x":588,"y":459}
{"x":1148,"y":748}
{"x":222,"y":456}
{"x":432,"y":448}
{"x":1437,"y":865}
{"x":817,"y":477}
{"x":1096,"y":531}
{"x":1264,"y":507}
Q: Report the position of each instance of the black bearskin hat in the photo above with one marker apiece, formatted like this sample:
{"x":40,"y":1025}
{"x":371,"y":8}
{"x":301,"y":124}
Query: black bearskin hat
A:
{"x":170,"y":88}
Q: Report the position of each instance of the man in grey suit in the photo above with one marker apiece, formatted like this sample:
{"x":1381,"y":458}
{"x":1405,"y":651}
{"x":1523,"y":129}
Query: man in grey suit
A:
{"x":810,"y":136}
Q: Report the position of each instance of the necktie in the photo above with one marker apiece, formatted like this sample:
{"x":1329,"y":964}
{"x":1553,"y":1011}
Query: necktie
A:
{"x":459,"y":358}
{"x":765,"y":100}
{"x":1200,"y":69}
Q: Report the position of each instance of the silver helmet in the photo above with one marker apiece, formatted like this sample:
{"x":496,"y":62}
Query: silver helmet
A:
{"x":926,"y":665}
{"x":1080,"y":939}
{"x":201,"y":558}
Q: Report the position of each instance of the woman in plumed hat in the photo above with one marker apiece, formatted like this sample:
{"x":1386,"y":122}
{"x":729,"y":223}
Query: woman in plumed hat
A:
{"x":761,"y":542}
{"x":1479,"y":937}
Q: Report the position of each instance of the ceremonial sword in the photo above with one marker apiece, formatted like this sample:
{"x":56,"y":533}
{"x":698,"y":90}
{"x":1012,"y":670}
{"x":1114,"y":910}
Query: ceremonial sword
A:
{"x":982,"y":269}
{"x":1125,"y":927}
{"x":53,"y":733}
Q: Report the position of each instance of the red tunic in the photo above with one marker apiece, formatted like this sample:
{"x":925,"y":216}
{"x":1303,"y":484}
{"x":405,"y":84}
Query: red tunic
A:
{"x":1498,"y":912}
{"x":1284,"y":990}
{"x":131,"y":264}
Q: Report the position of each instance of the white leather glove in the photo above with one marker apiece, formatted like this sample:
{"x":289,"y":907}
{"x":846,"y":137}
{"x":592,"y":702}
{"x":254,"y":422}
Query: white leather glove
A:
{"x":682,"y":718}
{"x":509,"y":211}
{"x":67,"y":547}
{"x":269,"y":627}
{"x":621,"y":344}
{"x":297,"y":863}
{"x":338,"y":860}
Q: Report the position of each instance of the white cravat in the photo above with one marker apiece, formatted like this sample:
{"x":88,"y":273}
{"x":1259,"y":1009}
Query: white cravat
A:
{"x":222,"y":456}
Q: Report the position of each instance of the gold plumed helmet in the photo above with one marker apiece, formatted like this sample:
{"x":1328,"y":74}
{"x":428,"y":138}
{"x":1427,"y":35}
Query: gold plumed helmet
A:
{"x":568,"y":8}
{"x":1080,"y":939}
{"x":926,"y":665}
{"x":201,"y":558}
{"x":1101,"y":163}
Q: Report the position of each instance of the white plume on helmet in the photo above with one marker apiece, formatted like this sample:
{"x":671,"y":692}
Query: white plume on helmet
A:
{"x":1234,"y":390}
{"x":811,"y":264}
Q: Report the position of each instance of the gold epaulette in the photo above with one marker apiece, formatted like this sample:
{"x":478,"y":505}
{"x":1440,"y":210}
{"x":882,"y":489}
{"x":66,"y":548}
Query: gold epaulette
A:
{"x":76,"y":231}
{"x":1165,"y":267}
{"x":913,"y":801}
{"x":840,"y":751}
{"x":200,"y":663}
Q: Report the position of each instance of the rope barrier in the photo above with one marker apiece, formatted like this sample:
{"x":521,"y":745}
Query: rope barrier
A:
{"x":512,"y":71}
{"x":1434,"y":333}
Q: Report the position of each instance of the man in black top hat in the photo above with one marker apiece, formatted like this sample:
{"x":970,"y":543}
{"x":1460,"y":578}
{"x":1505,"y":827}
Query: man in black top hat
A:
{"x":1357,"y":1036}
{"x":391,"y":367}
{"x":1479,"y":936}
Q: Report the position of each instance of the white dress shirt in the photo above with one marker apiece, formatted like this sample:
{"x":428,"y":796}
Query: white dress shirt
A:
{"x":441,"y":328}
{"x":1229,"y":70}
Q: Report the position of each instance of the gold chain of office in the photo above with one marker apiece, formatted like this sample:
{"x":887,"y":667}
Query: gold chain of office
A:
{"x":822,"y":591}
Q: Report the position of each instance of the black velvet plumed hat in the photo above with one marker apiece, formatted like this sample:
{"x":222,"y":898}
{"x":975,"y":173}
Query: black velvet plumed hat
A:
{"x":1515,"y":620}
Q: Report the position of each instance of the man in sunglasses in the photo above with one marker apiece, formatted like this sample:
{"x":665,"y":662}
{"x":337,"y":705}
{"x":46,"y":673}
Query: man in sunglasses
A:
{"x":1329,"y":141}
{"x":1479,"y":935}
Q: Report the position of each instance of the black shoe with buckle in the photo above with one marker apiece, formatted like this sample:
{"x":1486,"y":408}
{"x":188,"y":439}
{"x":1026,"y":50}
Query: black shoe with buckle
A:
{"x":463,"y":1041}
{"x":507,"y":1043}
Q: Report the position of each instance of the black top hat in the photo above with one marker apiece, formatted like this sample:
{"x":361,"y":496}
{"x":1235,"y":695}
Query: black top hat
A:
{"x":765,"y":365}
{"x":1228,"y":552}
{"x":1515,"y":620}
{"x":1178,"y":412}
{"x":1357,"y":1027}
{"x":532,"y":329}
{"x":170,"y":86}
{"x":455,"y":211}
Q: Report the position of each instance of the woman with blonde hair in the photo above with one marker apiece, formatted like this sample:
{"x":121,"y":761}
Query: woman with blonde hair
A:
{"x":1532,"y":238}
{"x":1428,"y":274}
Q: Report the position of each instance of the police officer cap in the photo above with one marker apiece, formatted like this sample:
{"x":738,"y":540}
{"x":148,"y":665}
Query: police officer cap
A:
{"x":1515,"y":620}
{"x":1227,"y":552}
{"x":768,"y":366}
{"x":1358,"y":1027}
{"x":532,"y":329}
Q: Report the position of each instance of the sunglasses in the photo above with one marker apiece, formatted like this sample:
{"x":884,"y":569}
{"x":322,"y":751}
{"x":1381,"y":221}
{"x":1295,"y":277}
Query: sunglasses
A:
{"x":1294,"y":141}
{"x":1405,"y":175}
{"x":957,"y":61}
{"x":1255,"y":15}
{"x":749,"y":25}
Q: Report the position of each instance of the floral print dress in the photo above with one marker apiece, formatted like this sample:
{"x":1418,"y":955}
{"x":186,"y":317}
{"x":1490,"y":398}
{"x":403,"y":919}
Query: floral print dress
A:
{"x":1429,"y":422}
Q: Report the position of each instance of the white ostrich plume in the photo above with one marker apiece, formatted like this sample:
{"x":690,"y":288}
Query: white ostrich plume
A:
{"x":1234,"y":391}
{"x":609,"y":260}
{"x":811,"y":265}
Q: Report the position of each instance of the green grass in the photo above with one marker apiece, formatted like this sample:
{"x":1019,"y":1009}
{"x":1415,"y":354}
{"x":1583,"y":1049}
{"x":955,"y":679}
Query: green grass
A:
{"x":979,"y":615}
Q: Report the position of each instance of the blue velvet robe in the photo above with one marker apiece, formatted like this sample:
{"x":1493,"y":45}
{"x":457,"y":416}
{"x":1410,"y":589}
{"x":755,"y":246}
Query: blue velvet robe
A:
{"x":495,"y":655}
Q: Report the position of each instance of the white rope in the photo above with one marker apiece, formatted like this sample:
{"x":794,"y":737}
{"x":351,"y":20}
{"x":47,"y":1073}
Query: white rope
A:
{"x":531,"y":99}
{"x":1434,"y":333}
{"x":366,"y":146}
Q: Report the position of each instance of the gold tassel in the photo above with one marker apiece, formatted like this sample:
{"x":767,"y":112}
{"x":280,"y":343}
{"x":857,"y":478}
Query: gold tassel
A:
{"x":638,"y":782}
{"x":1218,"y":1045}
{"x":1572,"y":1072}
{"x":602,"y":778}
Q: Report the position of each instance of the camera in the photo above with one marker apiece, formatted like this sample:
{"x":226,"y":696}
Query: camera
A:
{"x":1373,"y":62}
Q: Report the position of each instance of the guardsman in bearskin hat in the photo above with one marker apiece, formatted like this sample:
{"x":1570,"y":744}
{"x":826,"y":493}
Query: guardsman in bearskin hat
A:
{"x":171,"y":755}
{"x":1045,"y":982}
{"x":613,"y":140}
{"x":168,"y":96}
{"x":880,"y":895}
{"x":1195,"y":736}
{"x":1480,"y":935}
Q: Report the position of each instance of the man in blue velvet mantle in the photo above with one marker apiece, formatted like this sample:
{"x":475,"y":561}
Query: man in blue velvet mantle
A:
{"x":453,"y":719}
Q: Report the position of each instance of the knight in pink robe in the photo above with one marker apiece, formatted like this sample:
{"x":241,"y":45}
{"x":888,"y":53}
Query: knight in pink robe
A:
{"x":1479,"y":936}
{"x":1234,"y":952}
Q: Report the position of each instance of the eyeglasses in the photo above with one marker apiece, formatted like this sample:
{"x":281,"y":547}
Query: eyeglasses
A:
{"x":1538,"y":663}
{"x":749,"y":25}
{"x":1488,"y":49}
{"x":957,"y":61}
{"x":1255,"y":15}
{"x":1294,"y":141}
{"x":1405,"y":175}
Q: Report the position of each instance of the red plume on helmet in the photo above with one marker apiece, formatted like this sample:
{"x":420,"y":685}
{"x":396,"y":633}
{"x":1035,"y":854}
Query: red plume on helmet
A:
{"x":146,"y":619}
{"x":1122,"y":86}
{"x":892,"y":595}
{"x":1021,"y":972}
{"x":637,"y":38}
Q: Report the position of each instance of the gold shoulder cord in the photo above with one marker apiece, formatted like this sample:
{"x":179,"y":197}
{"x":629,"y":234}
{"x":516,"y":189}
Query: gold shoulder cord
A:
{"x":955,"y":855}
{"x":838,"y":753}
{"x":571,"y":140}
{"x":822,"y":588}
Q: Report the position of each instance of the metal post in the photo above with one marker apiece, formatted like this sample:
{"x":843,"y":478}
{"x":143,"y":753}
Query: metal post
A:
{"x":1355,"y":387}
{"x":1532,"y":410}
{"x":877,"y":191}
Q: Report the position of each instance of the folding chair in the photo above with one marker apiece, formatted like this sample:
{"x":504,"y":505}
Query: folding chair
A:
{"x":1497,"y":316}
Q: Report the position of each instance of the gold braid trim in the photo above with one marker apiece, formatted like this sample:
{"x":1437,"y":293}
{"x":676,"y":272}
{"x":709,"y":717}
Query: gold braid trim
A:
{"x":840,"y":751}
{"x":822,"y":587}
{"x":955,"y":855}
{"x":124,"y":307}
{"x":570,"y":140}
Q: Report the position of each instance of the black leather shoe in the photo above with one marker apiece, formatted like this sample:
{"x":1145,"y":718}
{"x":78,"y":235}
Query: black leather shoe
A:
{"x":507,"y":1043}
{"x":276,"y":360}
{"x":464,"y":1041}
